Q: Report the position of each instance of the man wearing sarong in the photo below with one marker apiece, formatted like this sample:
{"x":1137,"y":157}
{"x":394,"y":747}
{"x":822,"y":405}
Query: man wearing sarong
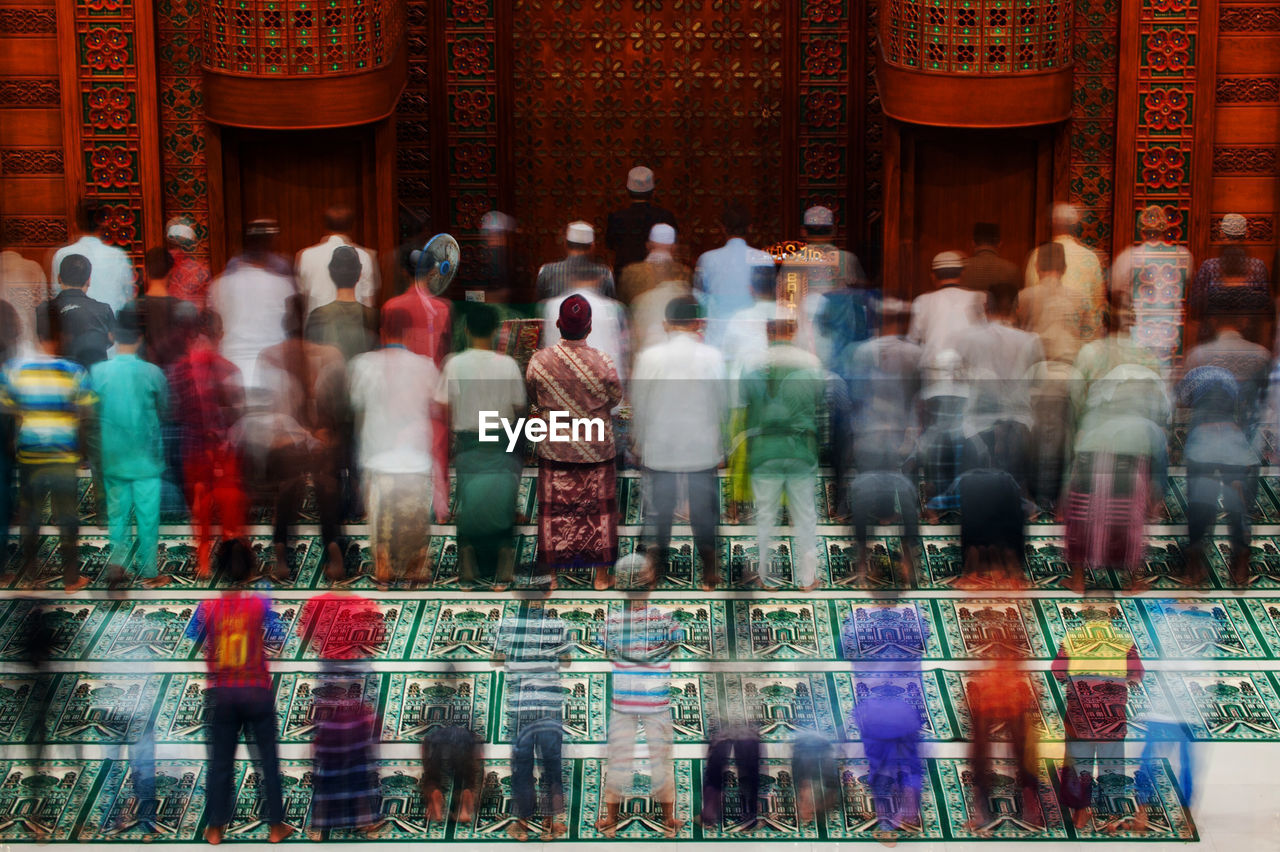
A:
{"x":577,"y":488}
{"x":474,"y":381}
{"x":399,"y":449}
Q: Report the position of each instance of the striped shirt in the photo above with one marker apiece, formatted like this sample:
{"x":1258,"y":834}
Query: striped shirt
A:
{"x":48,"y":395}
{"x":641,"y":642}
{"x":234,"y":627}
{"x":532,"y":643}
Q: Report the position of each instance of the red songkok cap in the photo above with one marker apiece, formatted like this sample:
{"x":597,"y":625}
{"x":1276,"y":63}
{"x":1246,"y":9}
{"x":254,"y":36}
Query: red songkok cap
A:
{"x":575,"y":316}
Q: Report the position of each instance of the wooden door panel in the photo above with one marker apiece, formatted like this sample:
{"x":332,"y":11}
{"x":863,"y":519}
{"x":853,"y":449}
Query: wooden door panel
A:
{"x":962,"y":177}
{"x":293,"y":176}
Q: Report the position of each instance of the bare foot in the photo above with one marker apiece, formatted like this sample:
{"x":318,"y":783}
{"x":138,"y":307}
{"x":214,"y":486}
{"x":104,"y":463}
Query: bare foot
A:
{"x":435,"y":806}
{"x":607,"y":827}
{"x":280,"y":831}
{"x":213,"y":835}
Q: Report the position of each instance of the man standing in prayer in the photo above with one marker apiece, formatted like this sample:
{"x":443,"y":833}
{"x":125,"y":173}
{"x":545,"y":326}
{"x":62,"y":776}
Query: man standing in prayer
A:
{"x":113,"y":276}
{"x":429,"y":332}
{"x":657,"y":266}
{"x":480,"y":380}
{"x":577,"y":486}
{"x":531,"y":646}
{"x":940,"y":318}
{"x":233,"y":628}
{"x":250,"y":298}
{"x":828,"y":282}
{"x":207,"y":399}
{"x":639,"y":640}
{"x":985,"y":269}
{"x":50,"y":397}
{"x":314,"y":280}
{"x":555,"y":279}
{"x":402,"y":463}
{"x":344,"y":322}
{"x":1083,"y":272}
{"x":84,"y":324}
{"x":189,"y":280}
{"x":608,"y":319}
{"x":161,"y":344}
{"x":133,"y":400}
{"x":679,"y":396}
{"x":628,"y":228}
{"x":784,"y":399}
{"x":724,"y":275}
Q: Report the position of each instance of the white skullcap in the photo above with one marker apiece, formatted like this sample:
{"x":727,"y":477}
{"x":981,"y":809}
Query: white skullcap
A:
{"x":1065,"y":216}
{"x":948,"y":260}
{"x":180,"y":231}
{"x":1234,"y":226}
{"x":580,"y":233}
{"x":819,"y":217}
{"x":640,"y":179}
{"x":662,"y":234}
{"x":494,"y":222}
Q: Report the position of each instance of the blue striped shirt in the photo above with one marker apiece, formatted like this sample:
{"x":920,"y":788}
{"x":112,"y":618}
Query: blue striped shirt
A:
{"x":48,"y":396}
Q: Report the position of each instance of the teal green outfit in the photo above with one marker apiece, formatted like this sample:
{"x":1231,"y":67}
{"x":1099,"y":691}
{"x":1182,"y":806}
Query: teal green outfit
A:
{"x":133,"y":400}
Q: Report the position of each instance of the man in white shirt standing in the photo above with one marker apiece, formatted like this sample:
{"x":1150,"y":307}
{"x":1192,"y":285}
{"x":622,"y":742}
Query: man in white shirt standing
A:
{"x":313,"y":263}
{"x":939,"y":319}
{"x":723,"y":275}
{"x":251,"y":298}
{"x":400,"y":451}
{"x":679,"y":397}
{"x":113,"y":273}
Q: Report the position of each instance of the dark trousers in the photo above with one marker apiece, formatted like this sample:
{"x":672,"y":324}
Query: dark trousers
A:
{"x":233,"y":709}
{"x":545,"y":738}
{"x":883,"y":494}
{"x":704,"y":510}
{"x":1205,"y":484}
{"x":287,"y":470}
{"x":745,"y":748}
{"x":1024,"y":757}
{"x":57,"y":482}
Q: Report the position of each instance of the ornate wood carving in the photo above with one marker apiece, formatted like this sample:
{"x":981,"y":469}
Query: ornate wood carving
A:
{"x":35,"y":92}
{"x":30,"y":161}
{"x":110,"y":130}
{"x":28,"y":20}
{"x":32,"y":231}
{"x":1244,"y":160}
{"x":1248,"y":90}
{"x":1249,"y":19}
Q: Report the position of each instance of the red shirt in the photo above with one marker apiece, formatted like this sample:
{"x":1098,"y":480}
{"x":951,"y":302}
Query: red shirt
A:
{"x":189,"y":278}
{"x":234,"y":628}
{"x":431,"y":333}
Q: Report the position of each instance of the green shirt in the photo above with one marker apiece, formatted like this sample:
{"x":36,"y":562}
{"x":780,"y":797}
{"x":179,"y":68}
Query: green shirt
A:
{"x":785,"y":400}
{"x":133,"y":398}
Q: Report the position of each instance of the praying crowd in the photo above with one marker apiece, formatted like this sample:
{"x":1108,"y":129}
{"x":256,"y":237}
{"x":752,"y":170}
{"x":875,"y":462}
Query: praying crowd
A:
{"x":1013,"y":389}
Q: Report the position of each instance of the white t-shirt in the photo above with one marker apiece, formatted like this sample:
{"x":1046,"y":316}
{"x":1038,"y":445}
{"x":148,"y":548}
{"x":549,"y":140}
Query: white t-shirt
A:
{"x":939,"y":319}
{"x":317,"y":285}
{"x":391,"y":394}
{"x":478,"y":380}
{"x":679,"y":399}
{"x":251,"y":301}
